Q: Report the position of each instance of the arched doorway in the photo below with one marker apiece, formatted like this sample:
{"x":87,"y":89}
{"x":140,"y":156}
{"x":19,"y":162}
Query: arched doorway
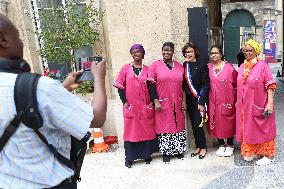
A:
{"x":236,"y":21}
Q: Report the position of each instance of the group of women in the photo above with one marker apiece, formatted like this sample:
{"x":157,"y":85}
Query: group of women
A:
{"x":215,"y":95}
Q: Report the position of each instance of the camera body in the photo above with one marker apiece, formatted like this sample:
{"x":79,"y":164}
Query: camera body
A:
{"x":86,"y":64}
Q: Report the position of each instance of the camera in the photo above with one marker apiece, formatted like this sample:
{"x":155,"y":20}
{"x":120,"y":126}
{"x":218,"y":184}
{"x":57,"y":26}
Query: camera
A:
{"x":86,"y":64}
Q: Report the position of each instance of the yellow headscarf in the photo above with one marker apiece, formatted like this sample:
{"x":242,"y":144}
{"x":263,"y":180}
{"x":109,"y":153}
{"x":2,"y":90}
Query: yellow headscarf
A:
{"x":255,"y":45}
{"x":248,"y":65}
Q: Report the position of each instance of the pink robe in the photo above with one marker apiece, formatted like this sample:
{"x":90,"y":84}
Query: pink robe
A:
{"x":139,"y":122}
{"x":169,"y":89}
{"x":252,"y":99}
{"x":222,"y":99}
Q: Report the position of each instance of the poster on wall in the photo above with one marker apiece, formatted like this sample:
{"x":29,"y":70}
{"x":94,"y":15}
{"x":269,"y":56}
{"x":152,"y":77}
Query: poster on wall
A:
{"x":269,"y":47}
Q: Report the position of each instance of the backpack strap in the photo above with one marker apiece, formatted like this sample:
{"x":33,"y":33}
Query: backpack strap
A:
{"x":26,"y":98}
{"x":10,"y":130}
{"x":27,"y":108}
{"x":23,"y":95}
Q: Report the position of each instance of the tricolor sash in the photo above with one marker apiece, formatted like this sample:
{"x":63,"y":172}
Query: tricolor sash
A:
{"x":194,"y":92}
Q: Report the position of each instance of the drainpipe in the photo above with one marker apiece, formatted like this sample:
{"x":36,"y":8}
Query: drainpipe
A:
{"x":278,"y":4}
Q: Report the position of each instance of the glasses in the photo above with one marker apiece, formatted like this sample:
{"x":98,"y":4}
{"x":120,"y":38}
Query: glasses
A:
{"x":213,"y":53}
{"x":248,"y":51}
{"x":189,"y":51}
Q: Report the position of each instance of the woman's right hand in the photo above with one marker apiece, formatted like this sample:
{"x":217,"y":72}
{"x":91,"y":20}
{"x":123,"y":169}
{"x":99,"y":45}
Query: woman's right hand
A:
{"x":158,"y":106}
{"x":125,"y":105}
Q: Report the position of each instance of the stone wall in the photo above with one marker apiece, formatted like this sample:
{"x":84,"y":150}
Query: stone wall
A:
{"x":18,"y":11}
{"x":148,"y":22}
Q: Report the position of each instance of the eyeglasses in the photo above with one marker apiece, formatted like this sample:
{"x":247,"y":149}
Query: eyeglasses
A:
{"x":189,"y":51}
{"x":213,"y":53}
{"x":248,"y":51}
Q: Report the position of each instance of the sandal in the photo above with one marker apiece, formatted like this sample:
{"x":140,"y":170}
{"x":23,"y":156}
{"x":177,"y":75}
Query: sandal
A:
{"x":193,"y":154}
{"x":202,"y":156}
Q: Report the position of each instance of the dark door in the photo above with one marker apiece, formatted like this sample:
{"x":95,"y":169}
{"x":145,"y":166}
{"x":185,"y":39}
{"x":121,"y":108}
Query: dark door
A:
{"x":232,"y":24}
{"x":197,"y":23}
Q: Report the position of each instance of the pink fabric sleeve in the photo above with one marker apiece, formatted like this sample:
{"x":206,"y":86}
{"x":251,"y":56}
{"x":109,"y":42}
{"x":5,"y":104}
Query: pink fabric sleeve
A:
{"x":152,"y":76}
{"x":267,"y":76}
{"x":120,"y":79}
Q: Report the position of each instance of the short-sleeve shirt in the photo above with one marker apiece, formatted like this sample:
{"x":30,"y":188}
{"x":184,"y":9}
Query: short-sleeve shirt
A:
{"x":25,"y":161}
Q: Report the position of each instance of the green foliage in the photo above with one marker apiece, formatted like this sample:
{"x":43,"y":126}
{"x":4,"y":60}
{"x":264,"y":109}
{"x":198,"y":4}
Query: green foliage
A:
{"x":66,"y":29}
{"x":86,"y":87}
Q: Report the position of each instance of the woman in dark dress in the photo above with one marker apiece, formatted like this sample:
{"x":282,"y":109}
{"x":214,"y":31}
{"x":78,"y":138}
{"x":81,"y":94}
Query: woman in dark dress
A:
{"x":138,"y":112}
{"x":196,"y":86}
{"x":165,"y":84}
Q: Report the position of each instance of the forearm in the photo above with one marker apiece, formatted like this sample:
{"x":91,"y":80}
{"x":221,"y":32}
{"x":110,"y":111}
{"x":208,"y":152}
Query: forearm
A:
{"x":152,"y":90}
{"x":99,"y":103}
{"x":122,"y":96}
{"x":270,"y":94}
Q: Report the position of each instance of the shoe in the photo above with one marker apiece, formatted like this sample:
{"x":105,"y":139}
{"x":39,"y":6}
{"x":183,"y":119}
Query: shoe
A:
{"x":202,"y":156}
{"x":264,"y":161}
{"x":179,"y":156}
{"x":221,"y":151}
{"x":250,"y":158}
{"x":148,"y":160}
{"x":228,"y":151}
{"x":128,"y":163}
{"x":166,"y":159}
{"x":193,"y":154}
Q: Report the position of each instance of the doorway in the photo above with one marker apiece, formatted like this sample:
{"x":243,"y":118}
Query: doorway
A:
{"x":236,"y":26}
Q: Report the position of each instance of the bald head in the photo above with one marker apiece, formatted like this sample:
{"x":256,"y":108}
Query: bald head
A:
{"x":11,"y":46}
{"x":5,"y":23}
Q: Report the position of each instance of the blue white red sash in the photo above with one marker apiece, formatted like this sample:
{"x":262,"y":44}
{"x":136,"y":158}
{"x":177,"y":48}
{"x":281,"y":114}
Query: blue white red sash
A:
{"x":193,"y":91}
{"x":189,"y":81}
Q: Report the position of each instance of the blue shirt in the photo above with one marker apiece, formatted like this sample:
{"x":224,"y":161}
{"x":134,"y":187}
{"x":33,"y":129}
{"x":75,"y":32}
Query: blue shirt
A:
{"x":25,"y":161}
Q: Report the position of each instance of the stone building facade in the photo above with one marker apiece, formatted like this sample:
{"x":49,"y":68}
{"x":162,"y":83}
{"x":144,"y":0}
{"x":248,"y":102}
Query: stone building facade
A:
{"x":261,"y":10}
{"x":125,"y":22}
{"x":150,"y":22}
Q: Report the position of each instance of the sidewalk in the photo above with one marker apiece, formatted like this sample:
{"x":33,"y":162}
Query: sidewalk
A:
{"x":107,"y":170}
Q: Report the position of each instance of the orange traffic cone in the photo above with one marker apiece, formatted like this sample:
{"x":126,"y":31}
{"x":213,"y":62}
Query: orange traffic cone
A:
{"x":99,"y":143}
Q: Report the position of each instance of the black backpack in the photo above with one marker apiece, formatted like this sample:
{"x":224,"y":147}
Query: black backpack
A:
{"x":28,"y":113}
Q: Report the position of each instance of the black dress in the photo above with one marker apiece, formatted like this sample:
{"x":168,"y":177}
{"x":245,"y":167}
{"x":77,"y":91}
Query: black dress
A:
{"x":200,"y":80}
{"x":142,"y":149}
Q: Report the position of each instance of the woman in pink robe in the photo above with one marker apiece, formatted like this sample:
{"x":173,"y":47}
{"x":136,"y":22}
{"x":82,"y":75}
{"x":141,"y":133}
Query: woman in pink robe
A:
{"x":255,"y":117}
{"x":165,"y":86}
{"x":222,"y":99}
{"x":138,"y":111}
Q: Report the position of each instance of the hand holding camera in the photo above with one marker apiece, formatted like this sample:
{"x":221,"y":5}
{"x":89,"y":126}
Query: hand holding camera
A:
{"x":92,"y":69}
{"x":70,"y":82}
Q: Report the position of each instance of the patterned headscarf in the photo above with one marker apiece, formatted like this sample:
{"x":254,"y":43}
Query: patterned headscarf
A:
{"x":255,"y":45}
{"x":139,"y":47}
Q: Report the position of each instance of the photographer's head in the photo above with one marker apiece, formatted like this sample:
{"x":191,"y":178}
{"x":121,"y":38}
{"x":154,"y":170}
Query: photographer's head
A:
{"x":11,"y":46}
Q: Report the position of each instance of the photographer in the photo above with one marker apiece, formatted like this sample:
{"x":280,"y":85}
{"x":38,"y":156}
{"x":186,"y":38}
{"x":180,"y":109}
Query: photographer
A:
{"x":25,"y":161}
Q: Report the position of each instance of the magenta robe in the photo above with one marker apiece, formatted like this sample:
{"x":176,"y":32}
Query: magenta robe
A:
{"x":169,"y":89}
{"x":139,"y":122}
{"x":252,"y":99}
{"x":222,"y":99}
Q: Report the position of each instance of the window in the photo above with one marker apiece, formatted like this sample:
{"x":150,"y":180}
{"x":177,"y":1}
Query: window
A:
{"x":40,"y":5}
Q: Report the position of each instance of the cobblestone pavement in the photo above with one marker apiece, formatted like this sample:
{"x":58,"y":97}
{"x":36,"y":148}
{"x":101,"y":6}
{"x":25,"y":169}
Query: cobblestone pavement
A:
{"x":107,"y":171}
